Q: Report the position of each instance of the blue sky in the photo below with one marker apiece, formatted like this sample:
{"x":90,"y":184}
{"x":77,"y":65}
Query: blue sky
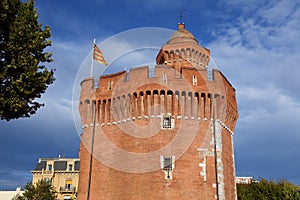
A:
{"x":255,"y":43}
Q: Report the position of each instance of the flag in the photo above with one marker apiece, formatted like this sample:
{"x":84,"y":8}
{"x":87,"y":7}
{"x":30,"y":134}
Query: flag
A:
{"x":98,"y":56}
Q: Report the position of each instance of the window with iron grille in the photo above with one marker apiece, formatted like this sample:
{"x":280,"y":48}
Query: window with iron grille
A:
{"x":167,"y":163}
{"x":168,"y":122}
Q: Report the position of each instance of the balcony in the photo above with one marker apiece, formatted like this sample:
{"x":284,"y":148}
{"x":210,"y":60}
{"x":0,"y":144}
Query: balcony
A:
{"x":67,"y":190}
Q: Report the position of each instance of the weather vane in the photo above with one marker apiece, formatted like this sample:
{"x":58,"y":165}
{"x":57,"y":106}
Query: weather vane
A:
{"x":181,"y":15}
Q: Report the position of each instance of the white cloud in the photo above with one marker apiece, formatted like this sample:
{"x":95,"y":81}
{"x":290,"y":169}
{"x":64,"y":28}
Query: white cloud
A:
{"x":259,"y":54}
{"x":272,"y":25}
{"x":267,"y":102}
{"x":278,"y":12}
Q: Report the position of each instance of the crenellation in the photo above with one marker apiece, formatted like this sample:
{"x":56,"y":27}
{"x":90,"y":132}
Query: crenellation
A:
{"x":190,"y":104}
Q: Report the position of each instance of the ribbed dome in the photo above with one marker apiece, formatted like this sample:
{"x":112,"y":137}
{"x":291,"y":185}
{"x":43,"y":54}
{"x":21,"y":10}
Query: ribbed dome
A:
{"x":182,"y":36}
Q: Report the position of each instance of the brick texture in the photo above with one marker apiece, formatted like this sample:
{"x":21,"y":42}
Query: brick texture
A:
{"x":126,"y":110}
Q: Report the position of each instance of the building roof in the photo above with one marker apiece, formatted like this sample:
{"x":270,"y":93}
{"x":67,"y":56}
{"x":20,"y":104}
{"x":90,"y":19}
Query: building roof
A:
{"x":60,"y":165}
{"x":10,"y":194}
{"x":41,"y":165}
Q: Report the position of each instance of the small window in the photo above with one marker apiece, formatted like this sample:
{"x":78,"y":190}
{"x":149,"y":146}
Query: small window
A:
{"x":164,"y":78}
{"x":167,"y":162}
{"x":50,"y":167}
{"x":48,"y":180}
{"x":68,"y":184}
{"x":167,"y":165}
{"x":210,"y":75}
{"x":110,"y":85}
{"x":195,"y":80}
{"x":70,"y":167}
{"x":127,"y":76}
{"x":168,"y":122}
{"x":151,"y":72}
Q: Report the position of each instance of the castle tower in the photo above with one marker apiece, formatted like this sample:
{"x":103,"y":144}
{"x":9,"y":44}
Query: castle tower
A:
{"x":162,"y":134}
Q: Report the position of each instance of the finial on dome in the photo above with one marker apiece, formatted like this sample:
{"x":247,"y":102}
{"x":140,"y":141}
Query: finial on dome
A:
{"x":181,"y":23}
{"x":181,"y":26}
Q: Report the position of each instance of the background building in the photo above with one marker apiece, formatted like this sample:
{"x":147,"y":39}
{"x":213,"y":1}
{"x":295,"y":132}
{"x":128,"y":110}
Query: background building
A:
{"x":162,"y":133}
{"x":63,"y":173}
{"x":8,"y":195}
{"x":243,"y":179}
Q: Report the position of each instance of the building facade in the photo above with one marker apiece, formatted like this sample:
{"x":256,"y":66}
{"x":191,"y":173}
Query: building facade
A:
{"x":161,"y":133}
{"x":63,"y":173}
{"x":244,"y":179}
{"x":6,"y":195}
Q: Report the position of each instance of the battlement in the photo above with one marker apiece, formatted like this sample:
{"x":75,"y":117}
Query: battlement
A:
{"x":147,"y":74}
{"x":141,"y":93}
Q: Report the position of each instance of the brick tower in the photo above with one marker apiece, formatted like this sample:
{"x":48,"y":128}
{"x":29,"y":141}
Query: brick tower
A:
{"x":159,"y":133}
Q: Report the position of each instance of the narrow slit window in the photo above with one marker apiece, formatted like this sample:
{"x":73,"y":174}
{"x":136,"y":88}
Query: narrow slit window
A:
{"x":164,"y":78}
{"x":110,"y":85}
{"x":151,"y":72}
{"x":195,"y":80}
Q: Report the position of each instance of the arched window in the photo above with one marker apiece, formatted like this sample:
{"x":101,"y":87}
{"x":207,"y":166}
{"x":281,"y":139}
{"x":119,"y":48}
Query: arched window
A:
{"x":169,"y":92}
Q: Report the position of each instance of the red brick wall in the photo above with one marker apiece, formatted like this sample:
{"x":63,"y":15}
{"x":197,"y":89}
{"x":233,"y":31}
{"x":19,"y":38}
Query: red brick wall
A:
{"x":187,"y":182}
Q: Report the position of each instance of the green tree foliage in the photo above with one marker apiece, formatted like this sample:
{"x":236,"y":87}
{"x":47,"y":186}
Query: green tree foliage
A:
{"x":268,"y":190}
{"x":42,"y":190}
{"x":23,"y":77}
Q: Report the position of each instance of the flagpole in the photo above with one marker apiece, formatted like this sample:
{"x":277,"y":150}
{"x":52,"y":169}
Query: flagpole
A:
{"x":92,"y":63}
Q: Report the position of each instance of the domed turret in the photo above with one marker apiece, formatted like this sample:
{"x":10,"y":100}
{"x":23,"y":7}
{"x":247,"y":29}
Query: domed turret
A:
{"x":181,"y":36}
{"x":183,"y":50}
